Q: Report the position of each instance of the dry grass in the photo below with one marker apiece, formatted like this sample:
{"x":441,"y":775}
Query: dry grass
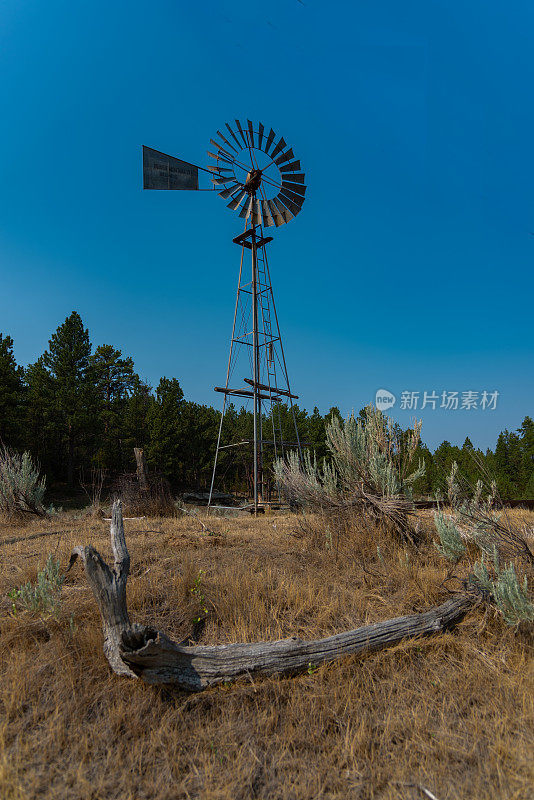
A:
{"x":454,"y":714}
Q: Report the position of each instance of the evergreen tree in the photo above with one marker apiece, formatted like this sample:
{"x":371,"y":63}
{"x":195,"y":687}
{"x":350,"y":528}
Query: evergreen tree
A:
{"x":165,"y":452}
{"x":425,"y":485}
{"x":67,"y":362}
{"x":444,"y":457}
{"x":136,"y":427}
{"x":11,"y":395}
{"x":197,"y":434}
{"x":43,"y":435}
{"x":528,"y":491}
{"x":508,"y":464}
{"x":526,"y":432}
{"x":317,"y":434}
{"x":472,"y":463}
{"x":114,"y":379}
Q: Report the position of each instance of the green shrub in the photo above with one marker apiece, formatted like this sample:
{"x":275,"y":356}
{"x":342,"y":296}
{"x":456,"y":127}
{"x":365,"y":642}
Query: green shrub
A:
{"x":369,"y":471}
{"x":509,"y":595}
{"x":493,"y":537}
{"x":21,"y":486}
{"x":451,"y":545}
{"x":43,"y":596}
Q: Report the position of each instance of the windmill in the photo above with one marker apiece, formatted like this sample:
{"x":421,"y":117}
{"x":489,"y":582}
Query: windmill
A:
{"x":262,"y":179}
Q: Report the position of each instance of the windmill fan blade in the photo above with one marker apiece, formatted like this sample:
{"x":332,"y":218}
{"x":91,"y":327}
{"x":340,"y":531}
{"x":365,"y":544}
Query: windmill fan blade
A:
{"x":296,"y":177}
{"x":260,"y":134}
{"x":295,"y":198}
{"x":221,"y":148}
{"x":268,"y":221}
{"x":269,"y":141}
{"x":284,"y":157}
{"x":294,"y":187}
{"x":293,"y":167}
{"x":220,"y":169}
{"x":223,"y":154}
{"x":230,"y":190}
{"x":284,"y":212}
{"x":275,"y":213}
{"x":227,"y":142}
{"x":232,"y":134}
{"x":250,"y":132}
{"x":289,"y":203}
{"x":236,"y":202}
{"x":241,"y":131}
{"x":279,"y":147}
{"x":224,"y":179}
{"x":247,"y":206}
{"x":218,"y":157}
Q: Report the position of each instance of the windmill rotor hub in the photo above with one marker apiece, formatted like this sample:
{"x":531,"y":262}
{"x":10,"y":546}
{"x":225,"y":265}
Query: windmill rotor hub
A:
{"x":258,"y":173}
{"x":253,"y":181}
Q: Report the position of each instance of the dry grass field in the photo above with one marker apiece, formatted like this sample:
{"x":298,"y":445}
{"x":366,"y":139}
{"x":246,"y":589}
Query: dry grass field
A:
{"x":452,"y":714}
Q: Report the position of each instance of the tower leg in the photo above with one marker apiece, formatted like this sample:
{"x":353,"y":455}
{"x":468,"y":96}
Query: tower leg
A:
{"x":256,"y":374}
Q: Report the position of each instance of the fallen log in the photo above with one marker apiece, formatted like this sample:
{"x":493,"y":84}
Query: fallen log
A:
{"x":141,"y":651}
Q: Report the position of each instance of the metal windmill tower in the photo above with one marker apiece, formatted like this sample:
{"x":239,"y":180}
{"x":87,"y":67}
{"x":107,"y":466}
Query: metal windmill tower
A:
{"x":261,"y":178}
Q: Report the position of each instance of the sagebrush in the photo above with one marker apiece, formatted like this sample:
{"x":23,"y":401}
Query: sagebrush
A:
{"x":496,"y":551}
{"x":370,"y":472}
{"x":22,"y":488}
{"x":43,"y":596}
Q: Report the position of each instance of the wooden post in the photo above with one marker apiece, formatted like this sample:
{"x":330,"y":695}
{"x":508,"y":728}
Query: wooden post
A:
{"x":142,"y":472}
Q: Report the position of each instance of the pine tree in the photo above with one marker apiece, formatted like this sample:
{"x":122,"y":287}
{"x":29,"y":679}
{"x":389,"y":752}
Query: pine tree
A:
{"x":11,"y":395}
{"x":67,"y":361}
{"x":42,"y":430}
{"x":197,"y":433}
{"x":165,"y":452}
{"x":317,"y":434}
{"x":444,"y":457}
{"x":508,"y":464}
{"x":526,"y":432}
{"x":114,"y":379}
{"x":136,"y":428}
{"x":426,"y":483}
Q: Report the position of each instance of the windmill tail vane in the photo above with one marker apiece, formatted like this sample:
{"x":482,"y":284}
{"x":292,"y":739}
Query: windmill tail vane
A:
{"x":263,"y":181}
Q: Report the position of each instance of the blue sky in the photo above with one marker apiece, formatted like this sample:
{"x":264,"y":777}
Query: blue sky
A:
{"x":410,"y":266}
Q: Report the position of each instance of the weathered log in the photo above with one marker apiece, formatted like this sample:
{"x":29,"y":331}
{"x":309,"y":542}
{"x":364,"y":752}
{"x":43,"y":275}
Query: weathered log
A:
{"x":141,"y":651}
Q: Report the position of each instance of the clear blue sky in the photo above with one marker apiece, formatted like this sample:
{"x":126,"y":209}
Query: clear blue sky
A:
{"x":410,"y":266}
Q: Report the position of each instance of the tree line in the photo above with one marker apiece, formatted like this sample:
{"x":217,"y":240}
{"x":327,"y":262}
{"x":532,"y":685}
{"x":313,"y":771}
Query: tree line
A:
{"x":77,"y":408}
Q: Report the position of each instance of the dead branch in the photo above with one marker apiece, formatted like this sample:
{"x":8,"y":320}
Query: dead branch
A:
{"x":28,"y":538}
{"x":195,"y":516}
{"x":141,"y":651}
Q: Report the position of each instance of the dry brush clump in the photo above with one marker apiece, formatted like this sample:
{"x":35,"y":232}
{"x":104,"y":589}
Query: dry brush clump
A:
{"x":369,"y":475}
{"x":154,"y":499}
{"x":22,"y":487}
